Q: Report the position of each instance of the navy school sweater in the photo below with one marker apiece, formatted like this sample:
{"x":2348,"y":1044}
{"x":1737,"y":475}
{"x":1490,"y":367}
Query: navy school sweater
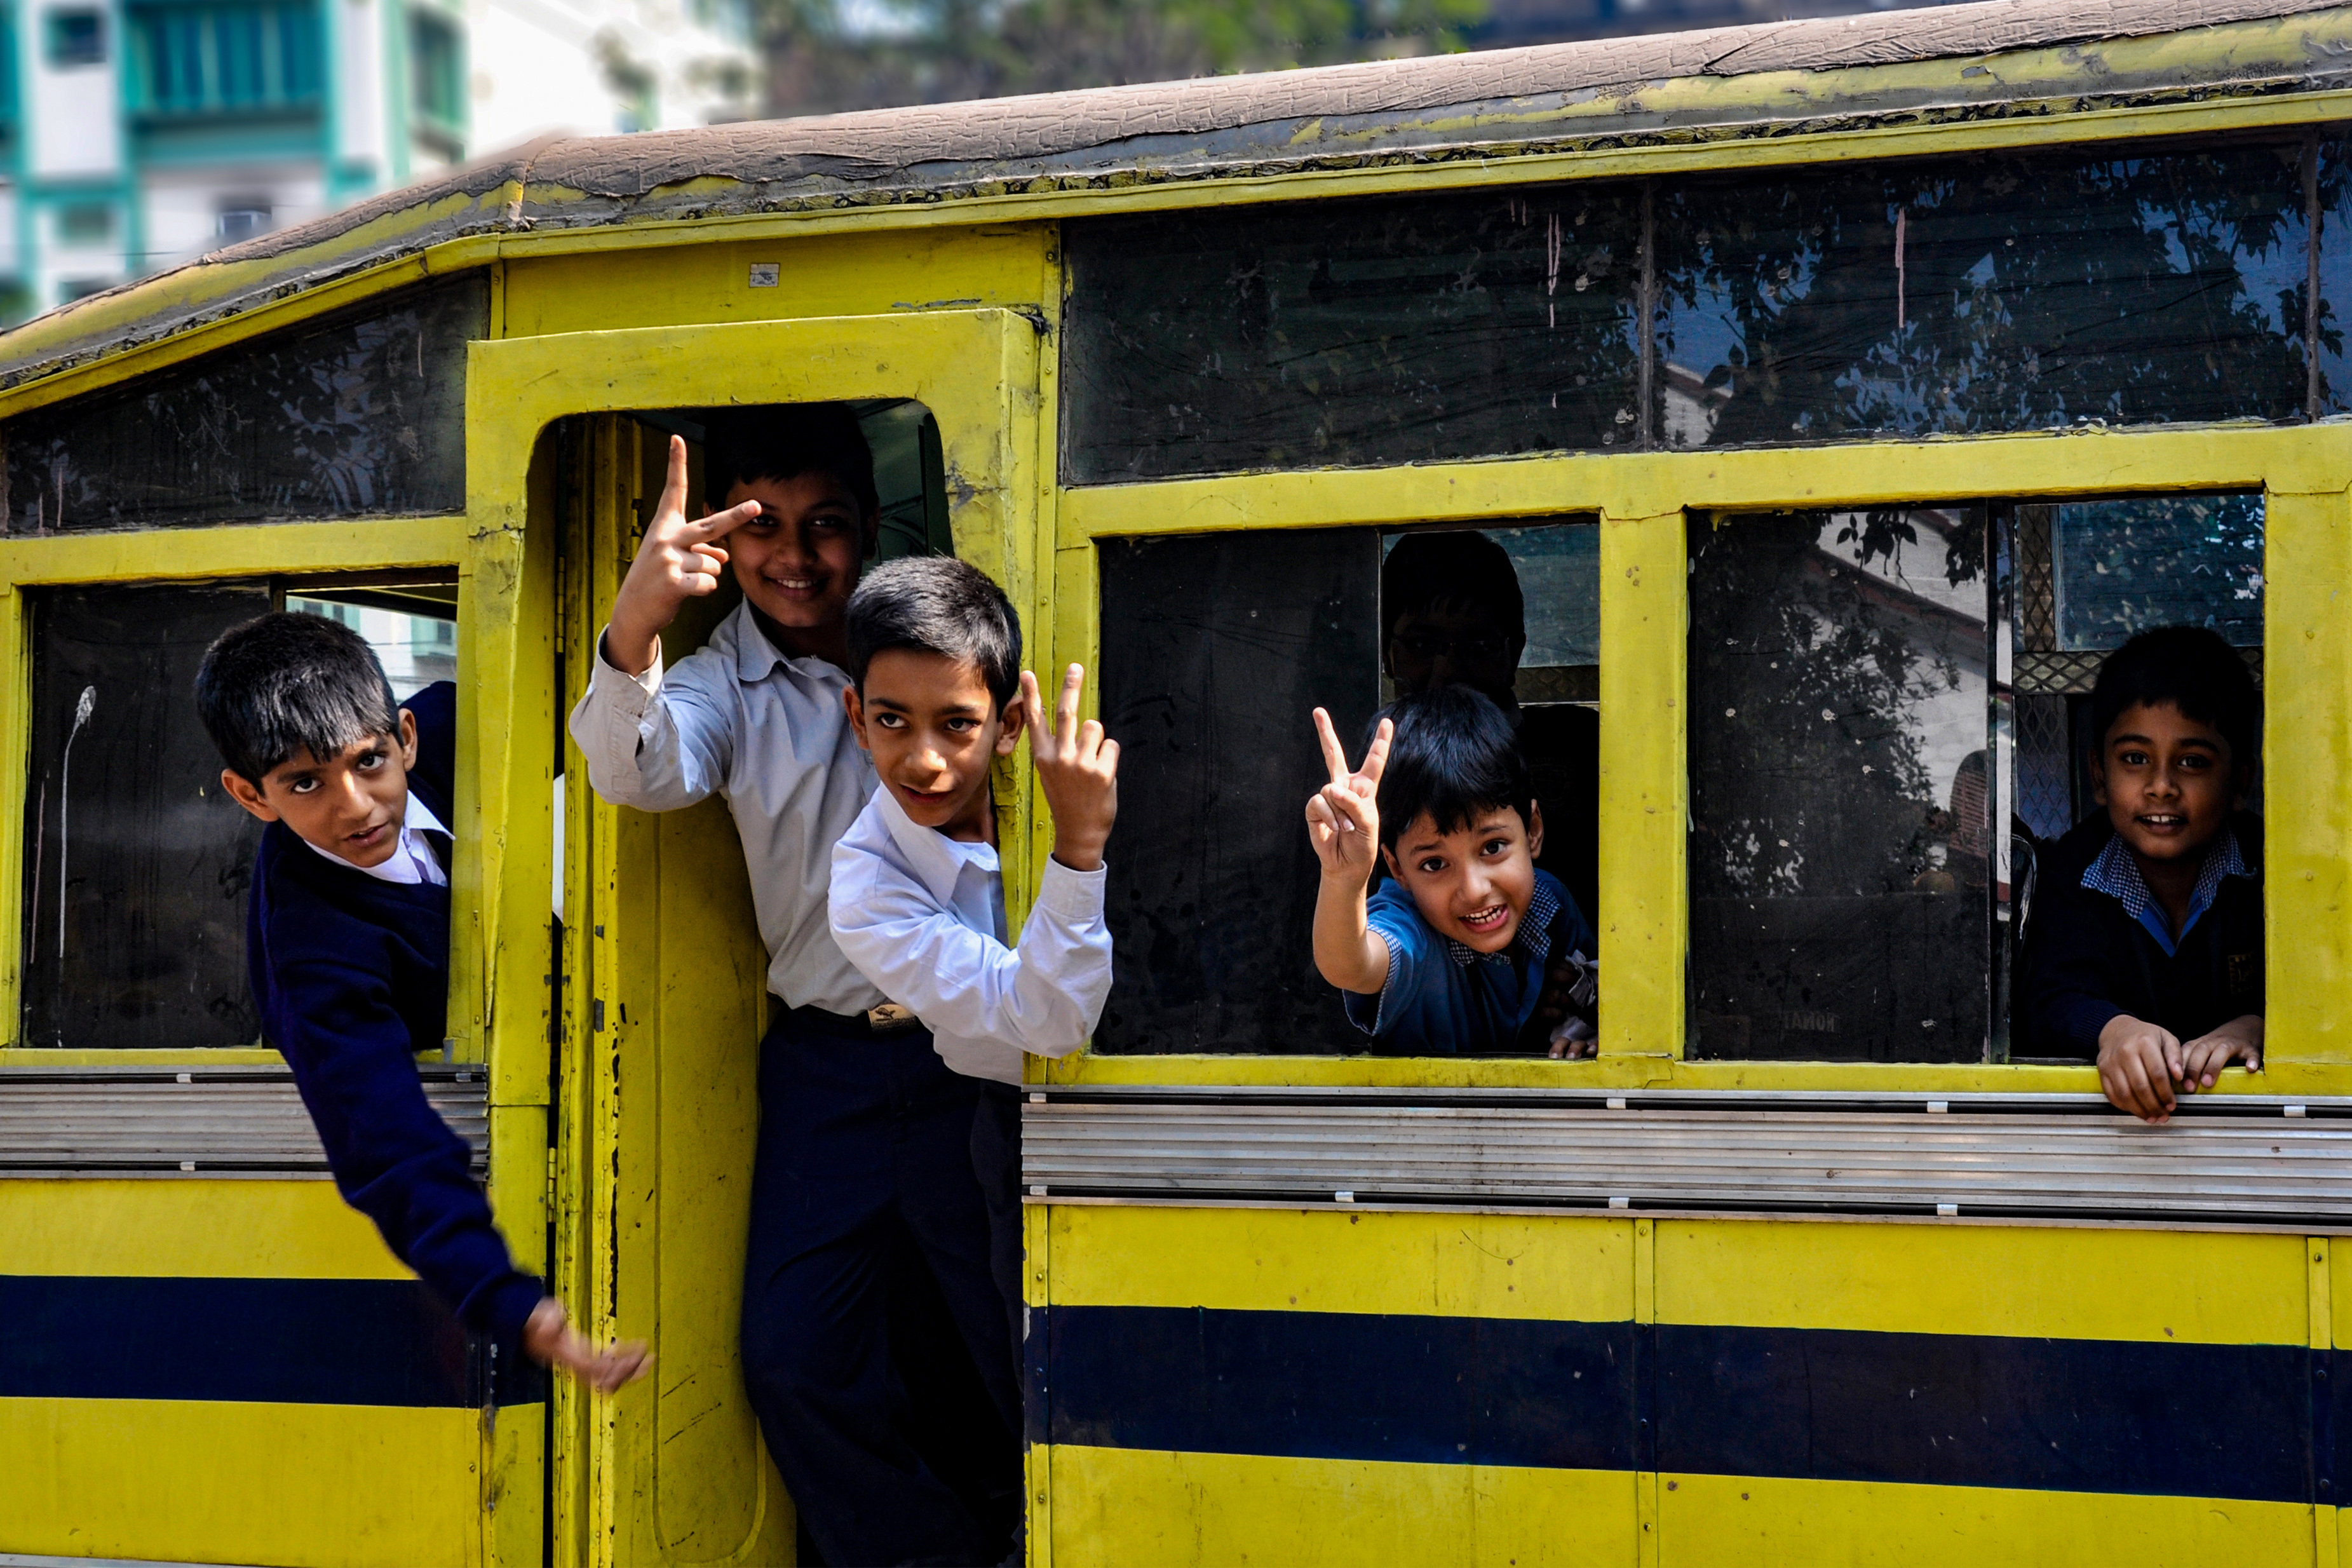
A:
{"x":352,"y":977}
{"x":2086,"y":959}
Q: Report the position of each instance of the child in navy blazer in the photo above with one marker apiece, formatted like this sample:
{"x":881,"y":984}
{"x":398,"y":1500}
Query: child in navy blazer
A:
{"x":347,"y":945}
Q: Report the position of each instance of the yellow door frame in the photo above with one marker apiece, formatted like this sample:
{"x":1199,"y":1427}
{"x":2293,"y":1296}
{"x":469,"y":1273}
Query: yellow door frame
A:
{"x":979,"y":372}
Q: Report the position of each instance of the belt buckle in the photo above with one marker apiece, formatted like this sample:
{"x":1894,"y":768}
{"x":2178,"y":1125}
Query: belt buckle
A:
{"x":890,"y":1016}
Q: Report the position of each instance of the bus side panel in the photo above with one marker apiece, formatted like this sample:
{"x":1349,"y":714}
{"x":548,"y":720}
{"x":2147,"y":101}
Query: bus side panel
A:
{"x":228,"y":1371}
{"x":1291,"y":1386}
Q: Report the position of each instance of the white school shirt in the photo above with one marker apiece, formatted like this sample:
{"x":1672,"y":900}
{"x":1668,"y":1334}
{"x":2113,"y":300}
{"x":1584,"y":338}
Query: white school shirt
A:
{"x":923,"y":915}
{"x":737,"y":718}
{"x":412,"y":861}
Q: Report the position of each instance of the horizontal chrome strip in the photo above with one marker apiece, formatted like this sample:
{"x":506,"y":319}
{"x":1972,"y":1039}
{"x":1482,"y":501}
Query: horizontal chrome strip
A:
{"x":2243,"y":1159}
{"x":200,"y":1122}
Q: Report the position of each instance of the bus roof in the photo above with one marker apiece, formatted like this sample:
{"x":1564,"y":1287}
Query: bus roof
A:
{"x":999,"y":159}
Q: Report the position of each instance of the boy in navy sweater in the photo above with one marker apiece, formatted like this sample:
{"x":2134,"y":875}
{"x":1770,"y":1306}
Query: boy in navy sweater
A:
{"x":1449,"y":957}
{"x":347,"y":946}
{"x":2146,"y":942}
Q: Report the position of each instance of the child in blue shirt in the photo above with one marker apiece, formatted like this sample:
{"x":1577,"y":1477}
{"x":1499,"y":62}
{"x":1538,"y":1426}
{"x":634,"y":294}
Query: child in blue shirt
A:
{"x":347,"y":949}
{"x":1448,"y":958}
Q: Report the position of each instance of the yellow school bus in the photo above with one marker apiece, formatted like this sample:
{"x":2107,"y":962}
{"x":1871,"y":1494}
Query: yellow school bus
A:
{"x":1834,"y":393}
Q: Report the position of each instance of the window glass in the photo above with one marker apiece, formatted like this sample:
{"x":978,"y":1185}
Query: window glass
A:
{"x":136,"y":865}
{"x":2087,"y":576}
{"x":1990,"y":294}
{"x":1840,"y":693}
{"x":1358,"y":333}
{"x":1215,"y":649}
{"x":1890,"y":726}
{"x":124,"y":810}
{"x":359,"y":416}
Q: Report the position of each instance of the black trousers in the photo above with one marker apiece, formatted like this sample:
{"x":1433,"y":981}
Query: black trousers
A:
{"x":864,"y":1167}
{"x":996,"y":1162}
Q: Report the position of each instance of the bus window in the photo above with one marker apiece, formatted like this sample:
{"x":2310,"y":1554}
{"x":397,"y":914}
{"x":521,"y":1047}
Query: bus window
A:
{"x":125,"y":811}
{"x":362,"y":414}
{"x":1889,"y":715}
{"x":1989,"y":294}
{"x":1217,"y":340}
{"x":1215,"y":650}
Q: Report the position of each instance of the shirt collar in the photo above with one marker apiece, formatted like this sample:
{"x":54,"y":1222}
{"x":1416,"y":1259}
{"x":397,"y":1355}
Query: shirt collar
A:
{"x":2115,"y":873}
{"x":415,"y":821}
{"x":931,"y":855}
{"x":1533,"y":937}
{"x":739,"y":637}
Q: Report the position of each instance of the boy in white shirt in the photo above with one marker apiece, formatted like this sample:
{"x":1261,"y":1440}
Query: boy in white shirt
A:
{"x":917,"y":899}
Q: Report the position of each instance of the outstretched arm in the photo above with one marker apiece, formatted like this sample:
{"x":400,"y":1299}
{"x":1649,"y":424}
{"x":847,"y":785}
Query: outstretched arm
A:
{"x":1343,"y":824}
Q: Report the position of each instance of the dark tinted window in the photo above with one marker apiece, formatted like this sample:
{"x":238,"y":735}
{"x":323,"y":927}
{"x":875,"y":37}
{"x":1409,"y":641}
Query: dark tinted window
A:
{"x":1994,"y":294}
{"x":1215,"y":650}
{"x":1841,"y":709}
{"x":360,"y":416}
{"x":1358,"y":333}
{"x":136,"y":865}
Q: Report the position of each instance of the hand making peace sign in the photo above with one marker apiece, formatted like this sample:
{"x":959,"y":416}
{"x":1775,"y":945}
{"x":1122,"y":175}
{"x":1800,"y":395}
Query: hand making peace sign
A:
{"x":680,"y":559}
{"x":1078,"y":767}
{"x":1343,"y":817}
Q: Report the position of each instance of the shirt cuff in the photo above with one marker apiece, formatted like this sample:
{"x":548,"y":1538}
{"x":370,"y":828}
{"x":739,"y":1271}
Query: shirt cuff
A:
{"x":631,"y":694}
{"x":1073,"y":895}
{"x":510,"y":1307}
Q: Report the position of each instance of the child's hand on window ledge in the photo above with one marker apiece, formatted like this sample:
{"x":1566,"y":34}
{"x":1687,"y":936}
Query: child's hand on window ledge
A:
{"x":2139,"y":1067}
{"x":2202,"y":1058}
{"x":549,"y":1338}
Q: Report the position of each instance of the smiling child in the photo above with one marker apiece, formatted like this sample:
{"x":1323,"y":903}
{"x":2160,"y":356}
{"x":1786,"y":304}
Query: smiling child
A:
{"x":1448,"y":958}
{"x":917,"y":897}
{"x":2147,"y":949}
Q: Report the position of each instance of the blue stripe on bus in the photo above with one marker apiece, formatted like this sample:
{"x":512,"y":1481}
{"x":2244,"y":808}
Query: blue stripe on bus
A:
{"x":2198,"y":1420}
{"x":290,"y":1341}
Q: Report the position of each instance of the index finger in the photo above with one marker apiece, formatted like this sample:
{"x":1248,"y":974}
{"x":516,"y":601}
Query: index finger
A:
{"x":1032,"y":714}
{"x":673,"y":496}
{"x":1334,"y":758}
{"x":1065,"y":707}
{"x":719,"y":524}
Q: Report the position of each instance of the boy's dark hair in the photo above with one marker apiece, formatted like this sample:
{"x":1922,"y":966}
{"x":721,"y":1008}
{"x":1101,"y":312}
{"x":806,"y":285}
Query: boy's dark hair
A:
{"x":1455,"y":566}
{"x":783,"y":441}
{"x":2192,"y":668}
{"x":1455,"y":756}
{"x":936,"y":604}
{"x":286,"y":683}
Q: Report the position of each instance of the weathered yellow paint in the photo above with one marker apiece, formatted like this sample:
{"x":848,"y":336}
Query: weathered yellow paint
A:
{"x":197,"y":1229}
{"x":2001,"y":1281}
{"x":1321,"y":1260}
{"x":1773,"y":1523}
{"x":1644,"y":892}
{"x":871,"y":274}
{"x":1127,"y":1508}
{"x":313,"y":1486}
{"x":667,"y":942}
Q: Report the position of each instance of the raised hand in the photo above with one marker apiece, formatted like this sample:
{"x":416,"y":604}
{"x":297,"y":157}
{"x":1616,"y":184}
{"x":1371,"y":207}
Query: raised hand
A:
{"x":1343,"y":817}
{"x":680,"y":559}
{"x":550,"y":1339}
{"x":1078,"y":767}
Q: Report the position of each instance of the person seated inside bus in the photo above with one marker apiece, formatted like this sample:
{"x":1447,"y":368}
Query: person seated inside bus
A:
{"x":1453,"y":612}
{"x":2146,"y":950}
{"x":918,"y":899}
{"x":1450,"y":956}
{"x":347,"y":948}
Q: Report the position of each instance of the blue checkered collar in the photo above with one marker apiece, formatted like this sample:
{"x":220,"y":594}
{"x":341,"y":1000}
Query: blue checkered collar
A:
{"x":1533,"y":937}
{"x":2116,"y":874}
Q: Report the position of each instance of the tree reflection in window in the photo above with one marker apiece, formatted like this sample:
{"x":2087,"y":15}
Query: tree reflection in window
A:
{"x":1840,"y":870}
